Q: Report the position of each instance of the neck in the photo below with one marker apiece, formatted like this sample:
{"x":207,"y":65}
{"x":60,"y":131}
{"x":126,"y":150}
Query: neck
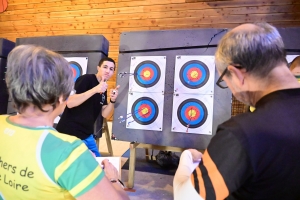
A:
{"x":279,"y":78}
{"x":33,"y":117}
{"x":98,"y":77}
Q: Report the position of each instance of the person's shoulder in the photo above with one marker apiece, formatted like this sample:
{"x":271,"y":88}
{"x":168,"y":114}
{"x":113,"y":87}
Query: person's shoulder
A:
{"x":87,"y":78}
{"x":63,"y":137}
{"x":3,"y":117}
{"x":236,"y":123}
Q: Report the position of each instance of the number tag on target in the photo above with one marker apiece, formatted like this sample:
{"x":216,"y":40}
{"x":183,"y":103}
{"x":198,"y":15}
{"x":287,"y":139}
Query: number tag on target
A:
{"x":148,"y":73}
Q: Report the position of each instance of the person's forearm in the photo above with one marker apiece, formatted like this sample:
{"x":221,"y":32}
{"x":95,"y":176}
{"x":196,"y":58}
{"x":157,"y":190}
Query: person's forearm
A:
{"x":107,"y":110}
{"x":120,"y":190}
{"x":185,"y":168}
{"x":77,"y":99}
{"x":182,"y":185}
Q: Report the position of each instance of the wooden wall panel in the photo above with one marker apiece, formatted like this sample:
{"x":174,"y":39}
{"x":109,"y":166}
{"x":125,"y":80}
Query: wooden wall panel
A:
{"x":27,"y":18}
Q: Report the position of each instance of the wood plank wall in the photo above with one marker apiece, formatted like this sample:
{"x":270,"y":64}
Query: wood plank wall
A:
{"x":28,"y":18}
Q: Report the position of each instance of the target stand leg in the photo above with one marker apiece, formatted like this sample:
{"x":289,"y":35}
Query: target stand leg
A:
{"x":107,"y":137}
{"x":132,"y":159}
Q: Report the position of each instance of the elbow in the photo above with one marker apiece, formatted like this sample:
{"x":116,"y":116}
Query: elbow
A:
{"x":104,"y":115}
{"x":69,"y":104}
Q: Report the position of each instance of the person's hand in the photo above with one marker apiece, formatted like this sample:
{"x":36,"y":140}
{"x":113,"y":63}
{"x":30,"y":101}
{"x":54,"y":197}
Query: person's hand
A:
{"x":101,"y":87}
{"x":114,"y":93}
{"x":110,"y":171}
{"x":197,"y":155}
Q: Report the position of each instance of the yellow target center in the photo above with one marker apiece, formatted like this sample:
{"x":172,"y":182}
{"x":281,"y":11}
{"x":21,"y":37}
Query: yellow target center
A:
{"x":194,"y":74}
{"x":145,"y":111}
{"x":192,"y":113}
{"x":147,"y":73}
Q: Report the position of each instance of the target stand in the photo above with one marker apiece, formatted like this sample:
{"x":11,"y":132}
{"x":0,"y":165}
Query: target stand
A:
{"x":105,"y":130}
{"x":185,"y":72}
{"x":134,"y":145}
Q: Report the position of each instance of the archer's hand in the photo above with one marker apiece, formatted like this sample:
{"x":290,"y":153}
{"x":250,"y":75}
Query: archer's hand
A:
{"x":114,"y":93}
{"x":197,"y":155}
{"x":110,"y":171}
{"x":101,"y":87}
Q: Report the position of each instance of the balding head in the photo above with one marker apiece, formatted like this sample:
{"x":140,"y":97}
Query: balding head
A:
{"x":256,"y":47}
{"x":245,"y":28}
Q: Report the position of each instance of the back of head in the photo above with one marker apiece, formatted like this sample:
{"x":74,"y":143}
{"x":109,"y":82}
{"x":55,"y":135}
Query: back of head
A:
{"x":256,"y":47}
{"x":37,"y":76}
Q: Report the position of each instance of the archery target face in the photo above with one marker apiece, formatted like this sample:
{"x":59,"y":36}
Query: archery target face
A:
{"x":148,"y":73}
{"x":78,"y":65}
{"x":192,"y":114}
{"x":144,"y":111}
{"x":290,"y":58}
{"x":194,"y":74}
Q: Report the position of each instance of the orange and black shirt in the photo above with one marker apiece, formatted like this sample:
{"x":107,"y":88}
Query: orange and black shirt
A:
{"x":255,"y":155}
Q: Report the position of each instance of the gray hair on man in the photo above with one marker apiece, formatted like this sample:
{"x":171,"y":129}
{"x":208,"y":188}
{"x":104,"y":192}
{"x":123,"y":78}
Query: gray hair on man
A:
{"x":258,"y":50}
{"x":38,"y":76}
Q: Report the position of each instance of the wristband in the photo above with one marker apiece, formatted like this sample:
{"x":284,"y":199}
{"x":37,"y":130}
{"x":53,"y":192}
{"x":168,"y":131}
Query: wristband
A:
{"x":112,"y":180}
{"x":112,"y":101}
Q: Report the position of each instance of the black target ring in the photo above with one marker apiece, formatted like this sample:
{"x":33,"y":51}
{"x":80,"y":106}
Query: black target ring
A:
{"x":194,"y":74}
{"x":147,"y":74}
{"x":192,"y":113}
{"x":76,"y":69}
{"x":144,"y":111}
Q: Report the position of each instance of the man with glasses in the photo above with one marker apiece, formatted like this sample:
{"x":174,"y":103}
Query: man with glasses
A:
{"x":252,"y":155}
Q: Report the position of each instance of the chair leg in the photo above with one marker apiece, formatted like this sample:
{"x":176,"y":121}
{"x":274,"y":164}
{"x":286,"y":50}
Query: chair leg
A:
{"x":108,"y":138}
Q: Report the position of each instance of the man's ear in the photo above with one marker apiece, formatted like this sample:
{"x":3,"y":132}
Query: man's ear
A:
{"x":238,"y":74}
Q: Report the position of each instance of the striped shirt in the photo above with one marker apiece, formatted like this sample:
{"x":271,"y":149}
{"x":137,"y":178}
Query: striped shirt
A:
{"x":39,"y":163}
{"x":255,"y":155}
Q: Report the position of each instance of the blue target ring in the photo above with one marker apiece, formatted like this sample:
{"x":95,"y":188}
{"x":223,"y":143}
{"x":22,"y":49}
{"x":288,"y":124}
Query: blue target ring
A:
{"x":76,"y":69}
{"x":144,"y":110}
{"x":192,"y":113}
{"x":194,"y":74}
{"x":147,"y":74}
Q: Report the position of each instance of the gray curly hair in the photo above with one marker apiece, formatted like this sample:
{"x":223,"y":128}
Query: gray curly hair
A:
{"x":258,"y":50}
{"x":38,"y":76}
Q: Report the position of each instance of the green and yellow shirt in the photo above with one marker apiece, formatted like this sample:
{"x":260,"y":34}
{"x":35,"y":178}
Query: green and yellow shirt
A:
{"x":41,"y":163}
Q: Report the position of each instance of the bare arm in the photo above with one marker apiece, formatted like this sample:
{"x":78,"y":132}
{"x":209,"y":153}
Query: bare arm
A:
{"x":106,"y":110}
{"x":78,"y":99}
{"x":105,"y":189}
{"x":182,"y":186}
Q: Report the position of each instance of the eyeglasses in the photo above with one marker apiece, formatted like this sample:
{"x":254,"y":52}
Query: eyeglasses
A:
{"x":220,"y":82}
